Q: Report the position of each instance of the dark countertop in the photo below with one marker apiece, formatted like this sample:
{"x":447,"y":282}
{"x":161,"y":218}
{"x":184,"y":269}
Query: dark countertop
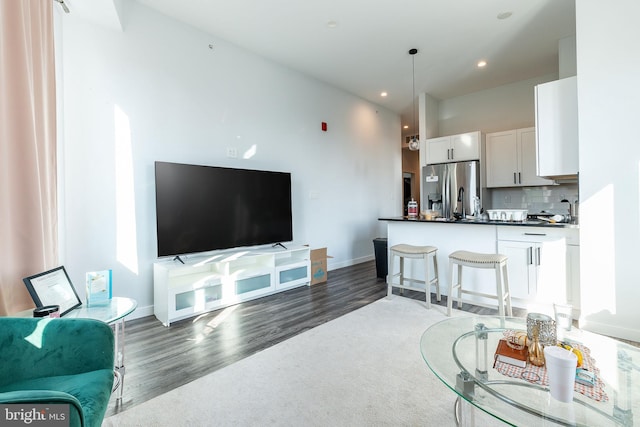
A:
{"x":529,"y":223}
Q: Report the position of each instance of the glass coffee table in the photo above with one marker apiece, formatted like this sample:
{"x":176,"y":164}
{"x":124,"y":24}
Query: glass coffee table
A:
{"x":456,"y":349}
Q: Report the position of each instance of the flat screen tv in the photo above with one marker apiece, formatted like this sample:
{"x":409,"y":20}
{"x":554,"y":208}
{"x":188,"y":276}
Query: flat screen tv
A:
{"x":203,"y":208}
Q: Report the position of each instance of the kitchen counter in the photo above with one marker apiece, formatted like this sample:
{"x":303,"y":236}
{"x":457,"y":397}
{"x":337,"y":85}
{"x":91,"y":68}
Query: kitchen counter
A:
{"x":539,"y":268}
{"x":528,"y":223}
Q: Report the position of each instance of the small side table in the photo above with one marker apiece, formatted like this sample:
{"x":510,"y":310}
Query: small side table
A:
{"x":112,"y":313}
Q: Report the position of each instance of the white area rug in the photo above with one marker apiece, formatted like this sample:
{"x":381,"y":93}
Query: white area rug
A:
{"x":362,"y":369}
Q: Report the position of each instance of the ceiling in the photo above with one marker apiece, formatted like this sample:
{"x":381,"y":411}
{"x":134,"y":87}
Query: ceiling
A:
{"x":362,"y":46}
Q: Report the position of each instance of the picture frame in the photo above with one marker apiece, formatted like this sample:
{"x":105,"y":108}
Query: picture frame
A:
{"x":53,"y":287}
{"x":98,"y":287}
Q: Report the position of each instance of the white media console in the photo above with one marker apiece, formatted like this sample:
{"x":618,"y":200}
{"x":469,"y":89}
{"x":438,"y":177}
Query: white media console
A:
{"x":209,"y":282}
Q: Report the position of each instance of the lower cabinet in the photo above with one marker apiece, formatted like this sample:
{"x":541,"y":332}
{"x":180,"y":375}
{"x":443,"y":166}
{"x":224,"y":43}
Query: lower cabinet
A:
{"x":520,"y":267}
{"x":184,"y":299}
{"x":291,"y":275}
{"x":206,"y":283}
{"x":537,"y":265}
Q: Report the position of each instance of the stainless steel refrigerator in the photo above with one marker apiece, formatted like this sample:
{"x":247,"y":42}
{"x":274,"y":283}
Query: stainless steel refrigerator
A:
{"x":452,"y":189}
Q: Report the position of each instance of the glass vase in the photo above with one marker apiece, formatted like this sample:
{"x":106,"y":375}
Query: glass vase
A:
{"x":536,"y":349}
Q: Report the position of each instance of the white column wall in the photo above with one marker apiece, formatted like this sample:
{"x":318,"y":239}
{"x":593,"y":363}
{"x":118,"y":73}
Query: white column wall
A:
{"x":156,"y":91}
{"x":608,"y":63}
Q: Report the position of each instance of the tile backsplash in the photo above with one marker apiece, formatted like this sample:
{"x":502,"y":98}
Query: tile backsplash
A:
{"x":534,"y":199}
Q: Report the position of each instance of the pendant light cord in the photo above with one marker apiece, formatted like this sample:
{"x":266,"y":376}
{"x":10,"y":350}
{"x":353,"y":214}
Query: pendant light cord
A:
{"x":413,"y":144}
{"x":413,"y":60}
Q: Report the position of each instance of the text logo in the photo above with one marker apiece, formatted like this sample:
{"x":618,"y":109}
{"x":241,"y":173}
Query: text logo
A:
{"x":24,"y":414}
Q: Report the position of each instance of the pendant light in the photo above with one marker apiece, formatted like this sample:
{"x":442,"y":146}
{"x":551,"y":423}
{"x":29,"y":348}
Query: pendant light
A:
{"x":414,"y":144}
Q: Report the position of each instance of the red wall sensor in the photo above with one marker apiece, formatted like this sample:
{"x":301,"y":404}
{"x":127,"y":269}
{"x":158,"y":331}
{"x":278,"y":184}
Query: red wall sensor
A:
{"x":324,"y":127}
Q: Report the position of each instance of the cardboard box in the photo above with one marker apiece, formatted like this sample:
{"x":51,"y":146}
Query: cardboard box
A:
{"x":319,"y":265}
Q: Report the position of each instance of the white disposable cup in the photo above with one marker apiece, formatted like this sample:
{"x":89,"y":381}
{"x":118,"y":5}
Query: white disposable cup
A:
{"x":561,"y":369}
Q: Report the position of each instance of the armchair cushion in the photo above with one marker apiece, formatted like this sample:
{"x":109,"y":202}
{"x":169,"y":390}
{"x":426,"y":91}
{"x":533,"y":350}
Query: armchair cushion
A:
{"x":65,"y":360}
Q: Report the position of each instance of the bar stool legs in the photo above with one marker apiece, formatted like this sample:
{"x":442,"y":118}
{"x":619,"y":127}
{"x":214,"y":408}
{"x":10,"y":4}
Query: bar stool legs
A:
{"x":497,"y":262}
{"x":403,"y":252}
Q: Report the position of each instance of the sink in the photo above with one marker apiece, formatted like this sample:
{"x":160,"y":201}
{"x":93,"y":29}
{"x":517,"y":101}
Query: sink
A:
{"x":471,"y":220}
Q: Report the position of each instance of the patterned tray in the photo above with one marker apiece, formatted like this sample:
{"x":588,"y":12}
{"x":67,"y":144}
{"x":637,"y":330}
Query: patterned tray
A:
{"x":538,"y":375}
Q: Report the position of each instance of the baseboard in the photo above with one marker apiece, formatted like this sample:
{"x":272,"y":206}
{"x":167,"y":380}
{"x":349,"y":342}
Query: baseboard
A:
{"x":349,"y":263}
{"x":140,"y":312}
{"x":610,"y":330}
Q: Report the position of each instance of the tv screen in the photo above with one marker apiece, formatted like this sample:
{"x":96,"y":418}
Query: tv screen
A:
{"x":202,"y":208}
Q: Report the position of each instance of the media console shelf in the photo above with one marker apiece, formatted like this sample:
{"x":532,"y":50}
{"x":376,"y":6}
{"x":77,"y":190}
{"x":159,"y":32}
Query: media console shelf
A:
{"x":209,"y":282}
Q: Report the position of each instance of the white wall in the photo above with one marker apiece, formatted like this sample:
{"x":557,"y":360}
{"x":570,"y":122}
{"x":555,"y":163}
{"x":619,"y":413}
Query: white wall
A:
{"x":567,"y":66}
{"x":428,"y":108}
{"x":157,"y":92}
{"x":501,"y":108}
{"x":608,"y":63}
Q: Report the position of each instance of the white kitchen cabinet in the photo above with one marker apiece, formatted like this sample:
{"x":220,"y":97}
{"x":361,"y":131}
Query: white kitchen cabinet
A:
{"x":557,"y":128}
{"x":454,"y":148}
{"x":528,"y":172}
{"x":438,"y":150}
{"x":537,"y":264}
{"x":511,"y":159}
{"x":520,"y":268}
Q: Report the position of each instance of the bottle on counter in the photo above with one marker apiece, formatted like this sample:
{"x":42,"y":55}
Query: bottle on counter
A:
{"x":476,"y":206}
{"x":412,"y":209}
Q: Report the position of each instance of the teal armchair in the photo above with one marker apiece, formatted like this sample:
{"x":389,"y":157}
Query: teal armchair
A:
{"x":58,"y":361}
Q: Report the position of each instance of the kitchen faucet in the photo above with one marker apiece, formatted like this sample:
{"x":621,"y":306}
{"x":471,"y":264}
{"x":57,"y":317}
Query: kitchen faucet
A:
{"x":573,"y":209}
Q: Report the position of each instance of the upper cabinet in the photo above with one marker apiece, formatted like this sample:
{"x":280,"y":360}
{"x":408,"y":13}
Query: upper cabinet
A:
{"x":557,"y":128}
{"x":511,"y":159}
{"x":455,"y":148}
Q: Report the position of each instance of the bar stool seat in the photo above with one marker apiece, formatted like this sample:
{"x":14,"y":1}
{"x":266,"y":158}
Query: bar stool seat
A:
{"x":404,"y":251}
{"x":497,"y":262}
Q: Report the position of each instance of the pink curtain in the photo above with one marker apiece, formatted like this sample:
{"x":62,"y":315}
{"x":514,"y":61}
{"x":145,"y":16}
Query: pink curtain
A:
{"x":28,"y":209}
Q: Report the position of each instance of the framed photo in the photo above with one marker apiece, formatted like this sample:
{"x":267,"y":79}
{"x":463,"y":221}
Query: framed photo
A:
{"x":99,"y":284}
{"x":53,"y":287}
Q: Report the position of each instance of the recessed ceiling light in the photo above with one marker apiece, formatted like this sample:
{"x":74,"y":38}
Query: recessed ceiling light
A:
{"x":504,"y":15}
{"x":332,"y":24}
{"x":383,"y":94}
{"x":482,"y":64}
{"x":406,"y":126}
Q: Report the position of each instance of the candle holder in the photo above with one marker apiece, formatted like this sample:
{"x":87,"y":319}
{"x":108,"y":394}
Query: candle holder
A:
{"x":545,"y":327}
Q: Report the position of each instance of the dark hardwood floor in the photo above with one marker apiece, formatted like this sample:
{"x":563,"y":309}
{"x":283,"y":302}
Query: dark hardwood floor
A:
{"x":159,"y":359}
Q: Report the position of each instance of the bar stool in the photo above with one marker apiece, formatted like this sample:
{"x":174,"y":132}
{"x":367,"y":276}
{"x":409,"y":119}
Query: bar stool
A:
{"x":414,"y":252}
{"x":497,"y":262}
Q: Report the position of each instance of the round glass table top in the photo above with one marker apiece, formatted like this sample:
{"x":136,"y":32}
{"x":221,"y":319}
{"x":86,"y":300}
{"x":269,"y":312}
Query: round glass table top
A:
{"x":461,"y":355}
{"x":115,"y":309}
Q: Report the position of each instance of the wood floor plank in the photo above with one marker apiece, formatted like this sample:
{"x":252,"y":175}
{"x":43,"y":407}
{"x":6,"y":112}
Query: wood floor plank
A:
{"x":159,"y":359}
